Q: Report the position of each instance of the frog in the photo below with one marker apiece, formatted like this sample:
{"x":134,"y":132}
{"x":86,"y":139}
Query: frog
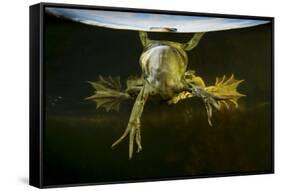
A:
{"x":164,"y":66}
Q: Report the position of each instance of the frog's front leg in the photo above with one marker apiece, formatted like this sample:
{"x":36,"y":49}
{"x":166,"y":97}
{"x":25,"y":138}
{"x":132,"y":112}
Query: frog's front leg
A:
{"x":198,"y":91}
{"x":223,"y":92}
{"x":181,"y":96}
{"x":210,"y":100}
{"x":190,"y":78}
{"x":133,"y":127}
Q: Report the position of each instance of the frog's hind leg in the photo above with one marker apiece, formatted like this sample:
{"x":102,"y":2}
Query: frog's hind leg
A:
{"x":191,"y":44}
{"x":133,"y":127}
{"x":109,"y":93}
{"x":145,"y":41}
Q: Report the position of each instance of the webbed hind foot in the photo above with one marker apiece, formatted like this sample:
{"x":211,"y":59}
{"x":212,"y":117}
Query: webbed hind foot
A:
{"x":133,"y":130}
{"x":133,"y":127}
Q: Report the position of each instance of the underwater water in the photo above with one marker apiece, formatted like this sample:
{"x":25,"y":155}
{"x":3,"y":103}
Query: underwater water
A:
{"x":177,"y":139}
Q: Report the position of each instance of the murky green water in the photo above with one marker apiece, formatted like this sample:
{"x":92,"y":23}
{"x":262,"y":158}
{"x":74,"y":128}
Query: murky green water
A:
{"x":177,"y":140}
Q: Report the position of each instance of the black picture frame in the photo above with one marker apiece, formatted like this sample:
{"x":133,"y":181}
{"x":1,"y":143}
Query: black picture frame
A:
{"x":37,"y":92}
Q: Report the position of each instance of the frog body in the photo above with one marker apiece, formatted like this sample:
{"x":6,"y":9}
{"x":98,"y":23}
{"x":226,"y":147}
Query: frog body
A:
{"x":164,"y":67}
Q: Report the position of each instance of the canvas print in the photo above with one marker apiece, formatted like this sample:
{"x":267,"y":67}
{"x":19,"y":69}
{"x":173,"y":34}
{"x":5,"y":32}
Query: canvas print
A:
{"x":133,"y":95}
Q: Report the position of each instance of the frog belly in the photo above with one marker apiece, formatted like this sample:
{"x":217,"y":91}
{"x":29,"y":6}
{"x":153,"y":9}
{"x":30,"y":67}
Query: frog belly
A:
{"x":163,"y":67}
